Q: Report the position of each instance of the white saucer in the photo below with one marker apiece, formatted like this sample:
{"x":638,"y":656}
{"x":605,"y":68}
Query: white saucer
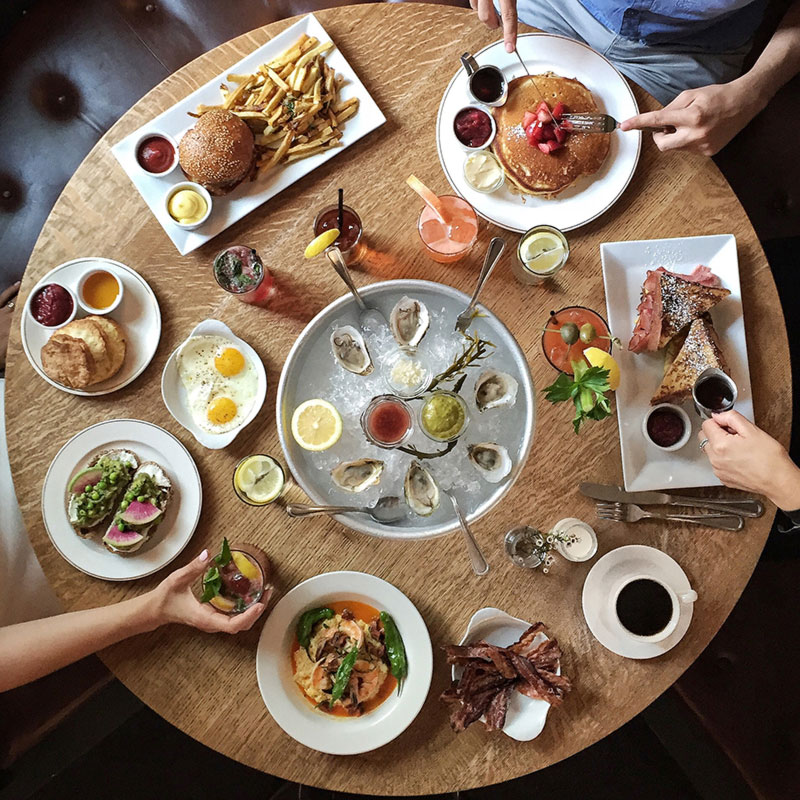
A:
{"x":633,"y":559}
{"x":526,"y":717}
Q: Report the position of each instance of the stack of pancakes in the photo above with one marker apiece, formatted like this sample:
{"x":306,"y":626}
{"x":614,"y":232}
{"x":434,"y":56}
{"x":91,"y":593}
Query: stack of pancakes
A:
{"x":529,"y":169}
{"x":85,"y":352}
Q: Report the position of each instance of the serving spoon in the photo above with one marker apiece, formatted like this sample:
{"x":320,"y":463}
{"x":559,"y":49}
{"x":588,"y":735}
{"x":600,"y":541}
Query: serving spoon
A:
{"x":368,"y":317}
{"x":476,"y":559}
{"x":387,"y":510}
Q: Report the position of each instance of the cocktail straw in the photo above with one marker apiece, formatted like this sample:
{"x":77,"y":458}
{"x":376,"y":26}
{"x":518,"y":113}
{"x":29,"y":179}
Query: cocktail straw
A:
{"x":430,"y":198}
{"x":341,"y":210}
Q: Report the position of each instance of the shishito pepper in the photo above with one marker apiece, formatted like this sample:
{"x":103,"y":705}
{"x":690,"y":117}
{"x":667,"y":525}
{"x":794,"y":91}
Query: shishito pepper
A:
{"x":395,"y":650}
{"x":307,"y":621}
{"x":343,"y":675}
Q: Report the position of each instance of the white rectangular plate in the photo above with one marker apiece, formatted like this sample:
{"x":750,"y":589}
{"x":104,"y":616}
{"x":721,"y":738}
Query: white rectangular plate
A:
{"x":625,"y":265}
{"x":250,"y":194}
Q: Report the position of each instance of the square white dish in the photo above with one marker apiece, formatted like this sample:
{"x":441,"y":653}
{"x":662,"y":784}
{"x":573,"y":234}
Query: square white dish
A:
{"x":625,"y":265}
{"x":230,"y":208}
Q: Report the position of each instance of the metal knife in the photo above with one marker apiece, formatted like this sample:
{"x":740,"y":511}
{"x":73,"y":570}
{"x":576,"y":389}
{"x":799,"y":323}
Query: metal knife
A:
{"x":538,"y":91}
{"x":744,"y":507}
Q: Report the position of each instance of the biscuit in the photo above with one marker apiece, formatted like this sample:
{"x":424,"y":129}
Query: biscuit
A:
{"x":117,"y":344}
{"x":69,"y":361}
{"x":96,"y":339}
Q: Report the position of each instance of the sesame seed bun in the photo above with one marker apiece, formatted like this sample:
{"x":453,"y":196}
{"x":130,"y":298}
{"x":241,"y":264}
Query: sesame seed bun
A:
{"x":218,"y":153}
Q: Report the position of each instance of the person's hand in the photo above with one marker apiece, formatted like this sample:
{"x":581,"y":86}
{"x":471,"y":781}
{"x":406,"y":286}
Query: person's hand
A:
{"x":488,"y":16}
{"x":704,"y":120}
{"x":745,"y":457}
{"x":175,"y":601}
{"x":6,"y":312}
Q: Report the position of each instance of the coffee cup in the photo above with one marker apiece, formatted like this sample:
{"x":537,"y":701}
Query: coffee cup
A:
{"x":646,"y":608}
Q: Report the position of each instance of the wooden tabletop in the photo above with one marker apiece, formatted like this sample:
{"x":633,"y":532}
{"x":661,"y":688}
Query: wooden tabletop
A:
{"x":405,"y":54}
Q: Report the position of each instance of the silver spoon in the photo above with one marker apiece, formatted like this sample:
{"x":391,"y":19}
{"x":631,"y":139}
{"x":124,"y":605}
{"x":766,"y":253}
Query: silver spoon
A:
{"x":368,"y":318}
{"x":387,"y":510}
{"x":496,"y":247}
{"x":476,"y":559}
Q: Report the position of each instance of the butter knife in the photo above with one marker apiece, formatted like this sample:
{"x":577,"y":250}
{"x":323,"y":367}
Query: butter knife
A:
{"x":744,"y":507}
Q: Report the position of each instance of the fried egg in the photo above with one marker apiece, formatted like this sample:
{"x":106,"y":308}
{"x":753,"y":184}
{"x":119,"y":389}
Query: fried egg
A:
{"x":220,"y":381}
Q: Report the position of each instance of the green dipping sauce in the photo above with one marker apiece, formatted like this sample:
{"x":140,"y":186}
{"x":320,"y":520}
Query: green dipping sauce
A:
{"x":443,"y":416}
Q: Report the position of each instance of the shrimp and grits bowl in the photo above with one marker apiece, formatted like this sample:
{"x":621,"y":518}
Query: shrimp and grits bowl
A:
{"x":344,"y":662}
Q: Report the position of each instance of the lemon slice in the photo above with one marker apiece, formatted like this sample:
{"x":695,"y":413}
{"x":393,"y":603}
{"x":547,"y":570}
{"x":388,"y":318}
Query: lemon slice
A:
{"x":316,"y":425}
{"x":322,"y":242}
{"x":260,"y":479}
{"x":599,"y":358}
{"x":223,"y":604}
{"x":542,"y":252}
{"x":245,"y":566}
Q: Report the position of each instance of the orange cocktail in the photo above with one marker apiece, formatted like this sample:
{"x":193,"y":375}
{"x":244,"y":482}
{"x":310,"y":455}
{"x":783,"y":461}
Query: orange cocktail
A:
{"x":589,"y":329}
{"x":452,"y":239}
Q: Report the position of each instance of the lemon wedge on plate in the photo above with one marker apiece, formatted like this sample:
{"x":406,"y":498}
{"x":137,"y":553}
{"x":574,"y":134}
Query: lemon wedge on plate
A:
{"x":316,"y":425}
{"x":321,"y":242}
{"x":260,"y":478}
{"x":599,"y":358}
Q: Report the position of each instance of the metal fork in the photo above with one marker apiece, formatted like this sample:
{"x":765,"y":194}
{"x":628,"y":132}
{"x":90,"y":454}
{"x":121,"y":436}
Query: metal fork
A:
{"x":603,"y":123}
{"x":496,"y":247}
{"x":628,"y":512}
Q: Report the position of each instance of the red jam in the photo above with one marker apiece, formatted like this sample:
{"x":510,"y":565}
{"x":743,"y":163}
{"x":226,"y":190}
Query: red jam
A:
{"x":52,"y":305}
{"x":389,"y":422}
{"x":665,"y":427}
{"x":156,"y":154}
{"x":472,"y":127}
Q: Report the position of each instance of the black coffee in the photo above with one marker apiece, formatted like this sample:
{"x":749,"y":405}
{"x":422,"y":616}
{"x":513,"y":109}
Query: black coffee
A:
{"x":644,"y":607}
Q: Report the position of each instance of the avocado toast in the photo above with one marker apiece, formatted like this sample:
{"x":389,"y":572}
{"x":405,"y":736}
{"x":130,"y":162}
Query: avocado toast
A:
{"x":140,"y":509}
{"x":96,"y":490}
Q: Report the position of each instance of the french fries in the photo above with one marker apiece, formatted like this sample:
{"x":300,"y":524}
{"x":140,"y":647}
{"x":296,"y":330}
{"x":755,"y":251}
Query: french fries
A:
{"x":292,"y":104}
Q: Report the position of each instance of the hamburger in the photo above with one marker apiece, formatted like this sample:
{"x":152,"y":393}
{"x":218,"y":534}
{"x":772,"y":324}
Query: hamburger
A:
{"x":219,"y":152}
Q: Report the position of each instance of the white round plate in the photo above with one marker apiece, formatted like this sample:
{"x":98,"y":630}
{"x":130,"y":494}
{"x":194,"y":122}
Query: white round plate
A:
{"x":138,"y":313}
{"x":283,"y":697}
{"x":632,"y":560}
{"x":150,"y":443}
{"x":526,"y":717}
{"x":173,"y":391}
{"x":591,"y":195}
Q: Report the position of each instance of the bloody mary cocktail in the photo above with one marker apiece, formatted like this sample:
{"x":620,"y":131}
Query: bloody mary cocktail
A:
{"x":569,"y":332}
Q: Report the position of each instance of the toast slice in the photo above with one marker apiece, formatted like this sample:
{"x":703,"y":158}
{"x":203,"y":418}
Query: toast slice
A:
{"x":140,"y":510}
{"x":669,"y":302}
{"x":106,"y":475}
{"x":700,"y":350}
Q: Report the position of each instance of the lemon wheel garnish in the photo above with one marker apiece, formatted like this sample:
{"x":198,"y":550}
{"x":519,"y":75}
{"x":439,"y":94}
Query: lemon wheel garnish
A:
{"x":316,"y":425}
{"x":322,"y":242}
{"x":599,"y":358}
{"x":542,"y":251}
{"x":260,"y":479}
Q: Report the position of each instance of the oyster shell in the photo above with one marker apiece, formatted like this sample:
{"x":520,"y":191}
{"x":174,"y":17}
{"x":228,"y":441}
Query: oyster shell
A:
{"x":494,"y":389}
{"x":355,"y":476}
{"x":350,"y":350}
{"x":421,"y":491}
{"x":409,"y":322}
{"x":491,"y":460}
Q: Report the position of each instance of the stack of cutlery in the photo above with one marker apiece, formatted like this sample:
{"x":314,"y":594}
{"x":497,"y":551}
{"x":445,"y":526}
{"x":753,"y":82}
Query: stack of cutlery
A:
{"x":722,"y":513}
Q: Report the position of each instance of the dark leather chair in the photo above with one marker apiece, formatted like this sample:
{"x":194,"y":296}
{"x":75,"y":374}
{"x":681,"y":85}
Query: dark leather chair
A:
{"x":71,"y":68}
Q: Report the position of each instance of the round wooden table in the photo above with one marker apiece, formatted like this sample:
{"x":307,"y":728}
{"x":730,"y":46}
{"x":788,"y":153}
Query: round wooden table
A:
{"x":405,"y":54}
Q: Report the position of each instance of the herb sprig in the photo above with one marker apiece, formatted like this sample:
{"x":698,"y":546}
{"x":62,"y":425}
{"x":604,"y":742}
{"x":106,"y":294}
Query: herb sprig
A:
{"x":586,"y":388}
{"x":475,"y":350}
{"x":212,"y":580}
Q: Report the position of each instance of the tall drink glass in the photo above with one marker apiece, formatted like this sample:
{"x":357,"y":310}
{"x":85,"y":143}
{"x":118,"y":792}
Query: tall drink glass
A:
{"x":448,"y":242}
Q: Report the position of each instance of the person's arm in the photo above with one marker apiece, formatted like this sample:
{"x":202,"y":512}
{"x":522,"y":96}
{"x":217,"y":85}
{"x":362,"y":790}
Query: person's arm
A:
{"x":30,"y":650}
{"x":706,"y":119}
{"x":745,"y":457}
{"x":488,"y":16}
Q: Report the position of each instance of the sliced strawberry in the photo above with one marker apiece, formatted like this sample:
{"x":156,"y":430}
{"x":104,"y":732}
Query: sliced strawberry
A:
{"x":548,"y":147}
{"x":566,"y":125}
{"x":561,"y":135}
{"x":542,"y":106}
{"x":537,"y":132}
{"x":548,"y":133}
{"x":555,"y":145}
{"x":531,"y":135}
{"x":527,"y":118}
{"x":558,"y":110}
{"x":543,"y":115}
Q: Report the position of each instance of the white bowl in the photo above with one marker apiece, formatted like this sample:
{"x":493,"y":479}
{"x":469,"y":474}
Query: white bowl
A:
{"x":91,"y":309}
{"x":174,"y":393}
{"x":687,"y":427}
{"x":526,"y":717}
{"x":491,"y":122}
{"x":195,"y":187}
{"x":36,"y":291}
{"x":149,"y":135}
{"x":284,"y":699}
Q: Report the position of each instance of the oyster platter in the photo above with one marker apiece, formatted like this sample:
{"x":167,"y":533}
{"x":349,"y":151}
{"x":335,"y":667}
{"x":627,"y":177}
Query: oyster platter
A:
{"x":424,"y":409}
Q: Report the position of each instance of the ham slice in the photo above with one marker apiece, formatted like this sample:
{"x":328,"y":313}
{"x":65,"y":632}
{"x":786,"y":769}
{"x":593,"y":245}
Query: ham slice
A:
{"x":647,"y":329}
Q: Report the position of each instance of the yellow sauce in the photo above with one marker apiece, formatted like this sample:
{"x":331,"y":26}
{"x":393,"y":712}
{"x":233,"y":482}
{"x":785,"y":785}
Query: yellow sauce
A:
{"x":483,"y":171}
{"x":443,"y":416}
{"x":187,"y":206}
{"x":100,"y":290}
